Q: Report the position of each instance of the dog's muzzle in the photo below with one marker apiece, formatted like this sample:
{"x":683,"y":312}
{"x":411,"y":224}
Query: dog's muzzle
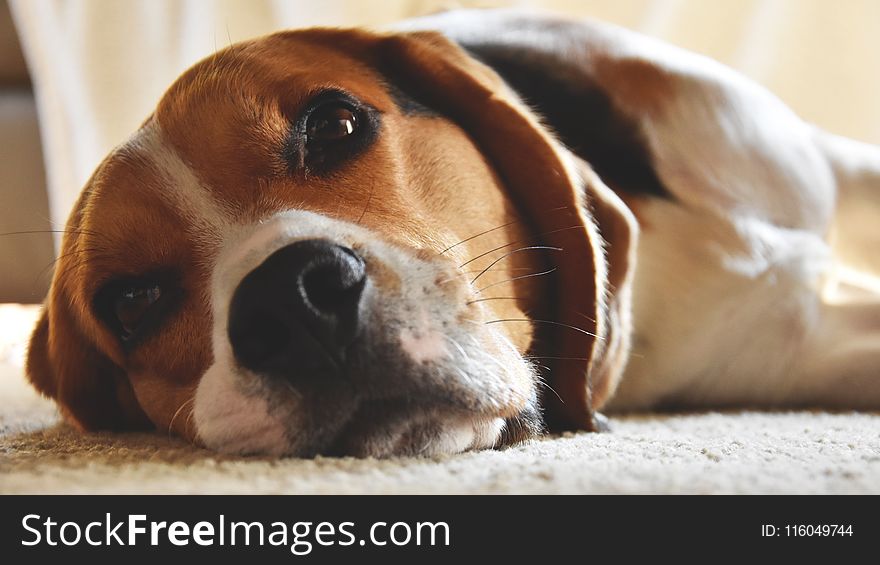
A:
{"x":328,"y":340}
{"x":296,"y":314}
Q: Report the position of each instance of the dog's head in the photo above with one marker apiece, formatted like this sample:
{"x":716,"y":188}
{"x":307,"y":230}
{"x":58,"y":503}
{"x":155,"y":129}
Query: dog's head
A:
{"x":332,"y":241}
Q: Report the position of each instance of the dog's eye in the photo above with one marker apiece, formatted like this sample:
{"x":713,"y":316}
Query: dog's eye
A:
{"x":132,"y":304}
{"x":332,"y":128}
{"x":133,"y":307}
{"x":331,"y":122}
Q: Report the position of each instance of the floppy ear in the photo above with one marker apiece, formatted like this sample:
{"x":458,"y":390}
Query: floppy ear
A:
{"x":541,"y":177}
{"x":619,"y":232}
{"x":92,"y":391}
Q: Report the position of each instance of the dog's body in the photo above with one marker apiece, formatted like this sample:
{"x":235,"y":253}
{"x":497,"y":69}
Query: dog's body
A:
{"x":674,"y":252}
{"x":734,"y":253}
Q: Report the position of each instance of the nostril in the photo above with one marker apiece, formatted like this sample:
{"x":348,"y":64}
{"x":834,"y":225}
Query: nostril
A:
{"x":331,"y":288}
{"x":258,"y":338}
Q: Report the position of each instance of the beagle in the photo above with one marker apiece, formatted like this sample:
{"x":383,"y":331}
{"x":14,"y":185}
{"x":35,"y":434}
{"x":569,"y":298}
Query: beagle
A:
{"x":457,"y":235}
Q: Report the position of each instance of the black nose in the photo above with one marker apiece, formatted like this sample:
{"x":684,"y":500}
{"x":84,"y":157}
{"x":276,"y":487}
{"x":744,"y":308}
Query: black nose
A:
{"x":296,"y":313}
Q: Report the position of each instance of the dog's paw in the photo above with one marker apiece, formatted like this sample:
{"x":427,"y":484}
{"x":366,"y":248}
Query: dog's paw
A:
{"x":601,"y":423}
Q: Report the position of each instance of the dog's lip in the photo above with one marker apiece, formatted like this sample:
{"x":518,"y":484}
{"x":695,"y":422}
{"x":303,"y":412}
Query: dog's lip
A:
{"x":391,"y":416}
{"x":392,"y":422}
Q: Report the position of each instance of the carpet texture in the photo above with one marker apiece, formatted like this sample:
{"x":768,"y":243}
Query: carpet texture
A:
{"x":737,"y":452}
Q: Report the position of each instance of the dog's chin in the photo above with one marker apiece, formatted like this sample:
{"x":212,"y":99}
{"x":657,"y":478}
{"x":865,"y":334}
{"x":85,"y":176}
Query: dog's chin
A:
{"x":270,"y":422}
{"x":379,"y":411}
{"x":380,"y":431}
{"x":429,"y":435}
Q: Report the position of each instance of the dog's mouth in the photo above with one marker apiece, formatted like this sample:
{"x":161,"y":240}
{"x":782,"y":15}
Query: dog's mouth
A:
{"x":389,"y":397}
{"x":422,"y":410}
{"x":383,"y":429}
{"x":456,"y":403}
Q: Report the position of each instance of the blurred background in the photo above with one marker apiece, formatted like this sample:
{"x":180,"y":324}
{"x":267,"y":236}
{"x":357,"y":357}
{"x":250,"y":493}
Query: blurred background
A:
{"x":78,"y":76}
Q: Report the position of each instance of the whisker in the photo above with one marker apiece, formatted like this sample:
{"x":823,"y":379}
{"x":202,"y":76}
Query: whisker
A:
{"x":543,"y":382}
{"x":97,"y":250}
{"x":296,"y":393}
{"x":367,"y":205}
{"x":80,"y":259}
{"x":558,"y":208}
{"x":464,"y":376}
{"x":560,"y":358}
{"x":456,"y":275}
{"x":447,"y":281}
{"x":583,"y":331}
{"x":190,"y":419}
{"x":516,"y":279}
{"x":509,"y":269}
{"x":489,"y":358}
{"x":458,"y":346}
{"x":546,"y":385}
{"x":177,"y":412}
{"x":506,"y":255}
{"x":582,"y":315}
{"x":34,"y":232}
{"x":45,"y":270}
{"x":476,"y":236}
{"x":517,"y":242}
{"x":469,"y":302}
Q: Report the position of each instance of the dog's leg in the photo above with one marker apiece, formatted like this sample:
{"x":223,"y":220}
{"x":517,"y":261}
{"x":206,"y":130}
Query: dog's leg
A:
{"x":840,"y":361}
{"x":840,"y":365}
{"x":855,"y":235}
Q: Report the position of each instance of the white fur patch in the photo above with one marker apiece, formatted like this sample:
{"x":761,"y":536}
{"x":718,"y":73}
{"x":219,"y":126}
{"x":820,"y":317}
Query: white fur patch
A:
{"x":205,"y":217}
{"x":423,"y":344}
{"x":232,"y":422}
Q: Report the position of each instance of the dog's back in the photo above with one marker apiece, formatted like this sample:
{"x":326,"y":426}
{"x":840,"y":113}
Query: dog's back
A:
{"x":735,"y":196}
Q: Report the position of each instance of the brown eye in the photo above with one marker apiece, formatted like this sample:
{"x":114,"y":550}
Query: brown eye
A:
{"x":132,"y":304}
{"x":332,"y":128}
{"x":331,"y":122}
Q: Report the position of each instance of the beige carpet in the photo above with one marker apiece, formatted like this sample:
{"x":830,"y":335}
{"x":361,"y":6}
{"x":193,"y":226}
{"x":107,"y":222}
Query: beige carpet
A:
{"x":745,"y":452}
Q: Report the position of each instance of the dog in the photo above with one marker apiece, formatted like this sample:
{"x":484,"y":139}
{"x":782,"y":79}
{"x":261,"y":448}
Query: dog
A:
{"x":457,"y":235}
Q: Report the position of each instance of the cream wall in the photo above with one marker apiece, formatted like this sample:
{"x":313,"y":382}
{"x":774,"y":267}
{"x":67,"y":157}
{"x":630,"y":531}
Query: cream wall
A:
{"x":99,"y":66}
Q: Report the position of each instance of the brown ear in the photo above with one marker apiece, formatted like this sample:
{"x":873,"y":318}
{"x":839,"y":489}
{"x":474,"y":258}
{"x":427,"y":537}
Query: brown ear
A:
{"x":92,"y":392}
{"x":619,"y":233}
{"x":541,"y":177}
